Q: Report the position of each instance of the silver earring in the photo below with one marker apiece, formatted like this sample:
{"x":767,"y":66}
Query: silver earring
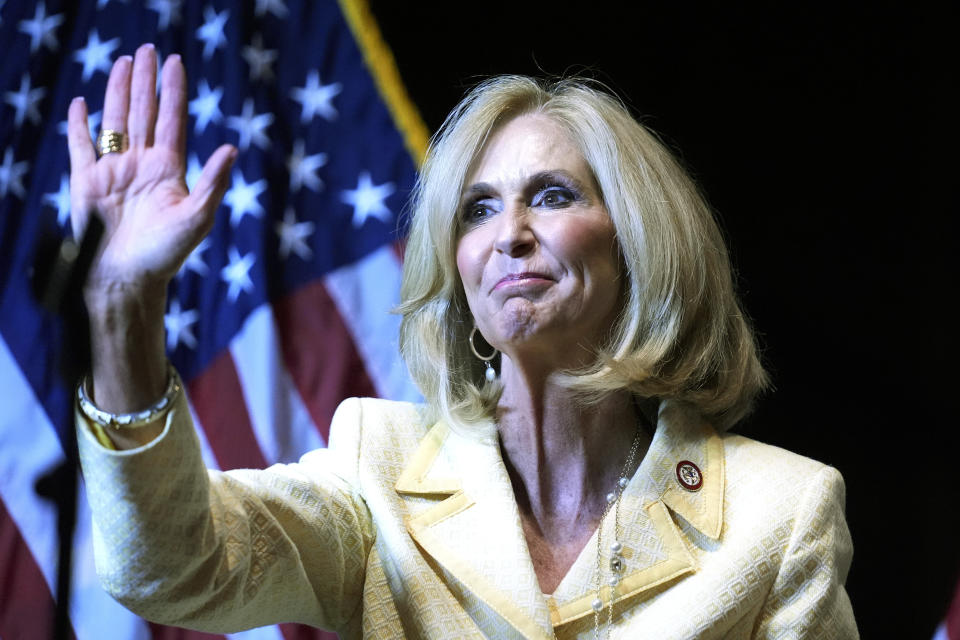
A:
{"x":489,"y":374}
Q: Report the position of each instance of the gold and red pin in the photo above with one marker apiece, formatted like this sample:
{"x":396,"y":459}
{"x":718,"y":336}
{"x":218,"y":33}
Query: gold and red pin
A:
{"x":689,"y":475}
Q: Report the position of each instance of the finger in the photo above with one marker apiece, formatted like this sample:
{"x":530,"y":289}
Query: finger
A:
{"x":82,"y":158}
{"x":213,"y":179}
{"x":116,"y":101}
{"x":82,"y":153}
{"x":171,"y":131}
{"x":143,"y":97}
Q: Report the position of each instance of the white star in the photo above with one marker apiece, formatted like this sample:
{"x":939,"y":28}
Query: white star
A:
{"x":195,"y":261}
{"x":237,"y":274}
{"x":259,"y":59}
{"x":212,"y":31}
{"x":251,"y":126}
{"x":206,"y":106}
{"x":168,"y":12}
{"x":302,"y":168}
{"x":316,"y":98}
{"x":276,"y":7}
{"x":11,"y":175}
{"x":61,"y":200}
{"x":41,"y":29}
{"x":25,"y":101}
{"x":96,"y":55}
{"x":179,"y":326}
{"x":367,"y":200}
{"x":194,"y":169}
{"x":242,"y":198}
{"x":93,"y":123}
{"x":293,"y":235}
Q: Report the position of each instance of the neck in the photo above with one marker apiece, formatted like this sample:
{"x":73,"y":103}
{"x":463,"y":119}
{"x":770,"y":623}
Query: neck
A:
{"x":563,"y":456}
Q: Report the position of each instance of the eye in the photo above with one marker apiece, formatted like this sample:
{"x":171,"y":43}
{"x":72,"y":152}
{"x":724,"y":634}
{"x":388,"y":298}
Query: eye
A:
{"x":477,"y":210}
{"x":553,"y":197}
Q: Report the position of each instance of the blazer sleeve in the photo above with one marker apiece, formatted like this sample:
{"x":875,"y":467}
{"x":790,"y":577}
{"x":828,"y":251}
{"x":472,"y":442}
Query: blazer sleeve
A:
{"x":225,"y":551}
{"x":808,"y":599}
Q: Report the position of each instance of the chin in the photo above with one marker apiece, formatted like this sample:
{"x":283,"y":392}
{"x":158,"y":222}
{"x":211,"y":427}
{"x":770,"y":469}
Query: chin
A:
{"x":518,"y":322}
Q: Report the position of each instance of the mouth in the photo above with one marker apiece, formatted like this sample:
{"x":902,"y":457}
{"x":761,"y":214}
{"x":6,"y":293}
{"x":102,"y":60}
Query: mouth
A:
{"x":525,"y":278}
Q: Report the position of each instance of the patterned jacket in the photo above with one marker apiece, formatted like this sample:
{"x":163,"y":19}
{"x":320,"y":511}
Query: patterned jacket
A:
{"x":405,"y":528}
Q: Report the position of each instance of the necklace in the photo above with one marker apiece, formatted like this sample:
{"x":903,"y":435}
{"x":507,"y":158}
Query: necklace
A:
{"x":616,"y":547}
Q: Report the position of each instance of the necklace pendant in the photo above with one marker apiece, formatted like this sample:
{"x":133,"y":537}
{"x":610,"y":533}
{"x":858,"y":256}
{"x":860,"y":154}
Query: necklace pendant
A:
{"x":616,"y":564}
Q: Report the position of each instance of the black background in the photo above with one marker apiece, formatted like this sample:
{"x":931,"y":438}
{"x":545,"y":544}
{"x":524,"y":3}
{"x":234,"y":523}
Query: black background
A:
{"x":823,"y":136}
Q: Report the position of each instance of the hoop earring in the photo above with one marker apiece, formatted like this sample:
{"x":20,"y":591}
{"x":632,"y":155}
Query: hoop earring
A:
{"x":489,"y":374}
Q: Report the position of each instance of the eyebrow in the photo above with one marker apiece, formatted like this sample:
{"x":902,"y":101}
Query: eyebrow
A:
{"x":475,"y":190}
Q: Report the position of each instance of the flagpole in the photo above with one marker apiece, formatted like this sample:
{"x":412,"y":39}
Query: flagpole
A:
{"x":59,"y":277}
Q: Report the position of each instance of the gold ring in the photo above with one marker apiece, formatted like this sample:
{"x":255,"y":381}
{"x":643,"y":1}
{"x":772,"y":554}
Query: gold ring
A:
{"x":110,"y":141}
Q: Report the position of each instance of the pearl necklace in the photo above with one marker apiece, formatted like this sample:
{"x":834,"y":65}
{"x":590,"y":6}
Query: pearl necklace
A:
{"x":616,"y":547}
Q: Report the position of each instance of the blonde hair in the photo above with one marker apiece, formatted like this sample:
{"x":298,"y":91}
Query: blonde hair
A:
{"x":681,"y":333}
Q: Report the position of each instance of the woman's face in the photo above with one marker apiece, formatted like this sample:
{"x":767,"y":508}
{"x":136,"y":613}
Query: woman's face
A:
{"x":538,"y":254}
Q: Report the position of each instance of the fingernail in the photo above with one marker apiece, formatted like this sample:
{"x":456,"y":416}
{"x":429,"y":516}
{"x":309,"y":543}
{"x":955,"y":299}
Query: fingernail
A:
{"x":77,"y":100}
{"x":174,"y":56}
{"x":127,"y":58}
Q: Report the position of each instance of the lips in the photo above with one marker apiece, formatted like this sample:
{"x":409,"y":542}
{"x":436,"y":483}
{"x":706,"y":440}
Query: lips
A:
{"x":525,"y":277}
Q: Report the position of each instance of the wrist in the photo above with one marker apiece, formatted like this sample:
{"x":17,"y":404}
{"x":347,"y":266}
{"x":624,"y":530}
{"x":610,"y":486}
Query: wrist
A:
{"x":127,"y":342}
{"x":121,"y":302}
{"x":131,"y":429}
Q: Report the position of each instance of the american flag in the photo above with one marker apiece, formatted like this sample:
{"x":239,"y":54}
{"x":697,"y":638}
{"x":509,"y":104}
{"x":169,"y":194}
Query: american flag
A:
{"x":279,"y":314}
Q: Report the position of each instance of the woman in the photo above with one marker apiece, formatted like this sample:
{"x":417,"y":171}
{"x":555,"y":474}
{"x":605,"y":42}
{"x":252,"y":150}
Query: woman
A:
{"x":569,"y":315}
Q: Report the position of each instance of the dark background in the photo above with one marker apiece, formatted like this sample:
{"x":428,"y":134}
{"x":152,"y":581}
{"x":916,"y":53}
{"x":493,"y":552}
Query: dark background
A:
{"x":823,"y":136}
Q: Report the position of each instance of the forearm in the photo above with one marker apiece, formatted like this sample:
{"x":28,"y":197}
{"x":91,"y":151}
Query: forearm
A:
{"x":129,"y":371}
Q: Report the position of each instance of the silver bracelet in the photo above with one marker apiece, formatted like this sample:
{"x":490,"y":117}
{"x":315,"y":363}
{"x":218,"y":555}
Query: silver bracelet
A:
{"x":137,"y":418}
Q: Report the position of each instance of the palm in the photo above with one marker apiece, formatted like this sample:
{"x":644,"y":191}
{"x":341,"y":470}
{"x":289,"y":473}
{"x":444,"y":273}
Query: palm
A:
{"x":142,"y":198}
{"x":152,"y":221}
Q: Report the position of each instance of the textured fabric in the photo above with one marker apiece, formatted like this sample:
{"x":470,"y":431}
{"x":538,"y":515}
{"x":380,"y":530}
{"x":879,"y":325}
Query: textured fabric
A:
{"x":404,"y":528}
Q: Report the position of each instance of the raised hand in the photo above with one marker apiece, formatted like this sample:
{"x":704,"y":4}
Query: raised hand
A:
{"x":152,"y":223}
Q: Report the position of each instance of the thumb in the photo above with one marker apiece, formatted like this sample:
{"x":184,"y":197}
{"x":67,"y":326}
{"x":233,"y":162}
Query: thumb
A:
{"x":213,"y":180}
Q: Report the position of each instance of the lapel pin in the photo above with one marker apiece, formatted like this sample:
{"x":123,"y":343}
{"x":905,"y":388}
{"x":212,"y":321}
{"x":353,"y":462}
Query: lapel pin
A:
{"x":689,"y":475}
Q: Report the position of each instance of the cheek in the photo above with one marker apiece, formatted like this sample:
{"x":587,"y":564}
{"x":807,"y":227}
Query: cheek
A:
{"x":468,"y":264}
{"x":590,"y":243}
{"x":466,"y":268}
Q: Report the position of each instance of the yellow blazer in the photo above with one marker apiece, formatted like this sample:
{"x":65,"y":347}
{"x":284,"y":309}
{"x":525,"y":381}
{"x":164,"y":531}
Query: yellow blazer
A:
{"x":405,"y":528}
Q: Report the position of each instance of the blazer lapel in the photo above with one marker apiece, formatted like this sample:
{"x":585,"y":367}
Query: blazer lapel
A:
{"x":655,"y":550}
{"x":473,"y":531}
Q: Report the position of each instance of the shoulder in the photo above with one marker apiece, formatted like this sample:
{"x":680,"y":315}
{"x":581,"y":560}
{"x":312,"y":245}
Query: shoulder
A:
{"x":372,"y":420}
{"x":746,"y":452}
{"x":782,"y":488}
{"x":751,"y":462}
{"x":372,"y":433}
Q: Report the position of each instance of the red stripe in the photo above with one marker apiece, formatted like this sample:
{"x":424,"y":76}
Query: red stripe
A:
{"x":162,"y":632}
{"x":319,"y":353}
{"x":399,"y":248}
{"x":26,"y":604}
{"x":217,"y":398}
{"x":303,"y":632}
{"x":953,"y":617}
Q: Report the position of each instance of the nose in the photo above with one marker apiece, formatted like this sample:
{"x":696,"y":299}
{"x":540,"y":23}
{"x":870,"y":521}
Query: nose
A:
{"x":515,"y":237}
